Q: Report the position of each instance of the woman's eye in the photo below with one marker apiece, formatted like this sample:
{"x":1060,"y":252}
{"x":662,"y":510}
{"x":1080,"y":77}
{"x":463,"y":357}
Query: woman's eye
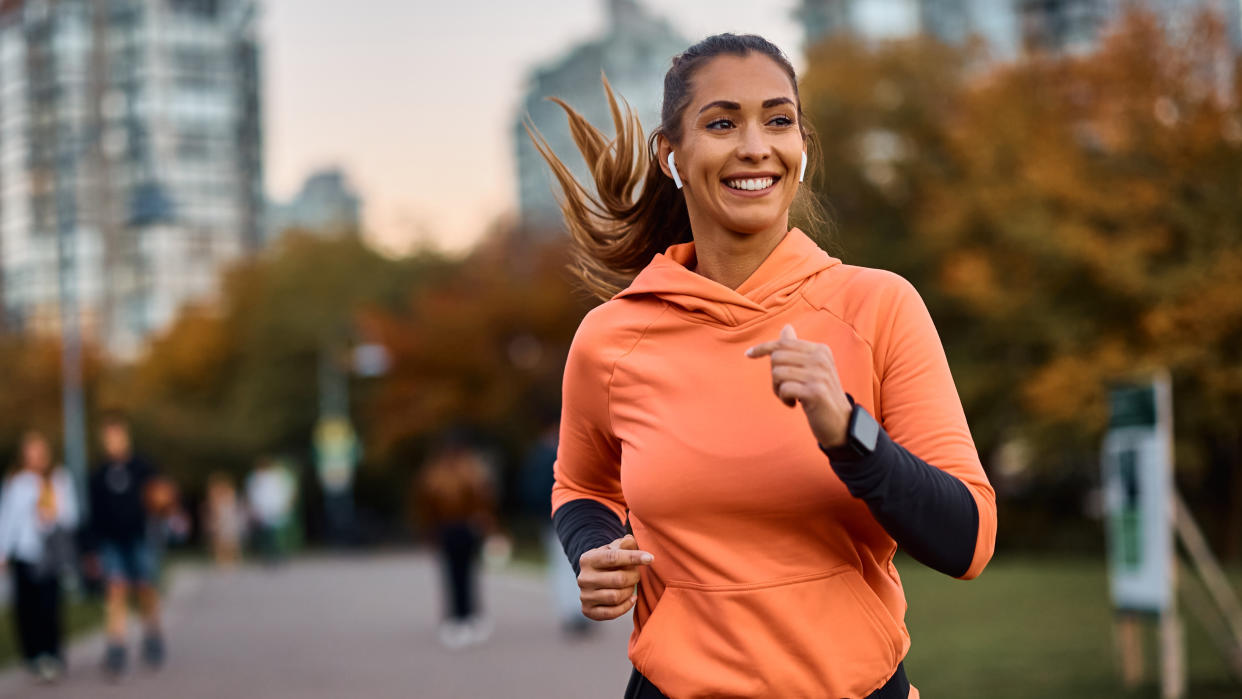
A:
{"x":781,"y":121}
{"x":719,"y":124}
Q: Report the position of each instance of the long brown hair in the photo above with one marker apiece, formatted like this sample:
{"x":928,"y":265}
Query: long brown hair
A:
{"x":615,"y":234}
{"x":19,"y":463}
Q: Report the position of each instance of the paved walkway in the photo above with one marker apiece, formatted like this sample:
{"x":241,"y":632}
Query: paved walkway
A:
{"x":350,"y":626}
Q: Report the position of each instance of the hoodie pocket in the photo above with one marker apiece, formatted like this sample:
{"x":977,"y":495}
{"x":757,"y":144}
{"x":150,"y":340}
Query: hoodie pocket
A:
{"x":820,"y":635}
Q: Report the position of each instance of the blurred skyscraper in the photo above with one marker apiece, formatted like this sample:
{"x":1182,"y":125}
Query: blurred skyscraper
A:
{"x":135,"y":124}
{"x":635,"y":51}
{"x":1074,"y":25}
{"x":1010,"y":27}
{"x":326,"y":204}
{"x":953,"y":21}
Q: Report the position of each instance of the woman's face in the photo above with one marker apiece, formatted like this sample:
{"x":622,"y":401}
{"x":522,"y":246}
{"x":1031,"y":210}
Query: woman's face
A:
{"x":35,"y":454}
{"x":741,"y":146}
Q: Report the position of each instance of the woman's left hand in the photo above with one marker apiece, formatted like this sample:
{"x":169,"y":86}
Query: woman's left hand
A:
{"x":805,"y":372}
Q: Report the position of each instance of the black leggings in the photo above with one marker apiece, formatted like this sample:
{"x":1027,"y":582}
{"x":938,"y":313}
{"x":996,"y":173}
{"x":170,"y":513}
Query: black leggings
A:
{"x":459,"y":549}
{"x":897,"y":687}
{"x":36,"y":611}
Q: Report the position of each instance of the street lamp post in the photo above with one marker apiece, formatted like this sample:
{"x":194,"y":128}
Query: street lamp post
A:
{"x":71,"y":341}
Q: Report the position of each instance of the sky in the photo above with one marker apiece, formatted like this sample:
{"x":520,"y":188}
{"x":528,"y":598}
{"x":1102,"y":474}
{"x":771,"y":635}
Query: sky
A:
{"x":416,"y":100}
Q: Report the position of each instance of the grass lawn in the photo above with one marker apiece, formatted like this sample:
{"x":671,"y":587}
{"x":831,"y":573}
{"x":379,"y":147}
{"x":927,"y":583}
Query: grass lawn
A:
{"x":1034,"y":627}
{"x":1029,"y":628}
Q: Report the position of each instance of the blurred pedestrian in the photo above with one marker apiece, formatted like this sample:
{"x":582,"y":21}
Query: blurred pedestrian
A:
{"x":38,"y":513}
{"x":224,"y":520}
{"x":269,"y":495}
{"x":720,"y":401}
{"x":455,"y":502}
{"x":128,"y":496}
{"x":537,"y":482}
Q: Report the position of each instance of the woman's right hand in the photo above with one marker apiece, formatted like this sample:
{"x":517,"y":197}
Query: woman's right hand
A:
{"x":608,"y":576}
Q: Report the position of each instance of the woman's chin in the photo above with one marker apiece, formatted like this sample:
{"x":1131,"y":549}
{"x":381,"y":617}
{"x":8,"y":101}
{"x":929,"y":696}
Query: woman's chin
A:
{"x":753,"y":225}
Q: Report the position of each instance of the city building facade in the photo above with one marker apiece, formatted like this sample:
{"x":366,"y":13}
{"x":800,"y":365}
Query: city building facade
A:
{"x":953,"y":21}
{"x":130,"y":157}
{"x":634,"y":52}
{"x":1011,"y":28}
{"x":326,"y":205}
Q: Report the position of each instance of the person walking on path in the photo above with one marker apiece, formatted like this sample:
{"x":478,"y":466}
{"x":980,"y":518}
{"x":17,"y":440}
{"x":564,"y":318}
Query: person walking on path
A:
{"x":270,"y":490}
{"x":771,"y":422}
{"x":38,"y":513}
{"x":125,"y":491}
{"x":455,"y":503}
{"x":225,"y":520}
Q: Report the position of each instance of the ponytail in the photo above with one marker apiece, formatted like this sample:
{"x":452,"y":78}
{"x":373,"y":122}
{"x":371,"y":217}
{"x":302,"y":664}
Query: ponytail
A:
{"x":614,"y":234}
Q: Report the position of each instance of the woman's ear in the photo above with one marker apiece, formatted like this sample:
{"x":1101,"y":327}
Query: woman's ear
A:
{"x":663,"y":148}
{"x":668,"y":161}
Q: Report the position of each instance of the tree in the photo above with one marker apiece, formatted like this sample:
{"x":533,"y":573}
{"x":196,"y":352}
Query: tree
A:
{"x":31,"y":393}
{"x":1071,"y":221}
{"x":482,"y":347}
{"x":233,"y":381}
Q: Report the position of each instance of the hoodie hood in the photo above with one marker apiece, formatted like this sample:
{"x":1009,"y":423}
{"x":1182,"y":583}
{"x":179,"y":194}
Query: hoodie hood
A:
{"x":794,"y":261}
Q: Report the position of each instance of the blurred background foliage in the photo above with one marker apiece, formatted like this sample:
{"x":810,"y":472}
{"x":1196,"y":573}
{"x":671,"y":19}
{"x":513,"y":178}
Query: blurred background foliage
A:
{"x":1070,"y":220}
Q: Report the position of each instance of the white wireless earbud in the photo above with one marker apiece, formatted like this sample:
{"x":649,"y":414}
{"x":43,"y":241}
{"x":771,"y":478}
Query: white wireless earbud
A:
{"x":802,"y":172}
{"x":673,"y":168}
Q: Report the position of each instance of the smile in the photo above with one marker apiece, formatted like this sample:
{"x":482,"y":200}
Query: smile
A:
{"x":751,"y":186}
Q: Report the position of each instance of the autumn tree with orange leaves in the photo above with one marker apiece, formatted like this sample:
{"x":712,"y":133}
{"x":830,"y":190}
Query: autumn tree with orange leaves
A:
{"x":1071,"y":220}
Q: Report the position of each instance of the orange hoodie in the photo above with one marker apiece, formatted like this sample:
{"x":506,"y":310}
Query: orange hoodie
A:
{"x":769,"y":578}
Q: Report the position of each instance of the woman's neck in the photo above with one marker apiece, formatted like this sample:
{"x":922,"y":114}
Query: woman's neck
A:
{"x":729,"y":258}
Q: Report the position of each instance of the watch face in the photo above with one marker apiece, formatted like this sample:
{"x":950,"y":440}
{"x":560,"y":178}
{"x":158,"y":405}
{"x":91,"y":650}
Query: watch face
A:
{"x":865,"y":430}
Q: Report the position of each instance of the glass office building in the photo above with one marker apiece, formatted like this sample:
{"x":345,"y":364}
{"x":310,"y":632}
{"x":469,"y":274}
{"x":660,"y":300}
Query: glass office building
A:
{"x":130,"y":156}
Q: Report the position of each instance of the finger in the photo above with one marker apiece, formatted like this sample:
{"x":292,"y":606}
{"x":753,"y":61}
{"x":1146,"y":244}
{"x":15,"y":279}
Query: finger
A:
{"x":785,"y":373}
{"x":611,"y":559}
{"x":606,"y":613}
{"x":787,"y":340}
{"x":793,"y":372}
{"x":627,"y":542}
{"x":612,"y":579}
{"x":605,"y":598}
{"x":590,"y":579}
{"x":791,"y":391}
{"x":794,"y":356}
{"x":762,"y":350}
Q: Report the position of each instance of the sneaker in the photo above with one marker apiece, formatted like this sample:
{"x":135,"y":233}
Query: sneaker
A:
{"x":454,"y":635}
{"x":153,"y":651}
{"x":48,"y":668}
{"x":114,"y":660}
{"x":478,"y":630}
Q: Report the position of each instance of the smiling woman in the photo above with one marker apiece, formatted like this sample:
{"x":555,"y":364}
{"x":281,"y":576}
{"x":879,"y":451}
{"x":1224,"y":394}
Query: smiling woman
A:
{"x":615,"y":232}
{"x":761,"y":536}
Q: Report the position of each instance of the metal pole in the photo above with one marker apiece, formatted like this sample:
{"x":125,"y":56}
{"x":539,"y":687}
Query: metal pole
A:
{"x":71,"y":342}
{"x":1172,"y":634}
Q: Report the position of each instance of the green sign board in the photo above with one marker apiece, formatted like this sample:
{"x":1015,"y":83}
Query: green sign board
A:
{"x":1136,"y":479}
{"x":1132,"y":406}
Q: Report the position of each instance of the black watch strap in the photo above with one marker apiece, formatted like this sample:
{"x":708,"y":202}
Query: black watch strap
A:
{"x":860,"y":436}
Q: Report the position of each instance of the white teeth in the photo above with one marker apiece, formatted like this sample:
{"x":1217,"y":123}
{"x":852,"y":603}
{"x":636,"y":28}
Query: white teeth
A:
{"x":751,"y":184}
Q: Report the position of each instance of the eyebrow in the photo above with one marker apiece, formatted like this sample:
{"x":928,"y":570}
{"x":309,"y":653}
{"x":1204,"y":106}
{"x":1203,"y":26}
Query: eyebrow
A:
{"x":725,"y":104}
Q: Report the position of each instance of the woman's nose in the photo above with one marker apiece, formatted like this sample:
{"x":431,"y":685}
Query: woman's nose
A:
{"x":754,"y":144}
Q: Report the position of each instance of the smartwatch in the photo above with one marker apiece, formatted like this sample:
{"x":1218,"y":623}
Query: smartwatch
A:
{"x":861,"y":435}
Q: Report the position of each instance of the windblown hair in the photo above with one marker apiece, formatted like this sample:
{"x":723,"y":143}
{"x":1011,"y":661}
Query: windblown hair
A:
{"x":615,"y":233}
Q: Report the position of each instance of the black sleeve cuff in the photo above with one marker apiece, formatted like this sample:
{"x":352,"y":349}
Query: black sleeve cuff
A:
{"x":928,"y":512}
{"x":583,"y":525}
